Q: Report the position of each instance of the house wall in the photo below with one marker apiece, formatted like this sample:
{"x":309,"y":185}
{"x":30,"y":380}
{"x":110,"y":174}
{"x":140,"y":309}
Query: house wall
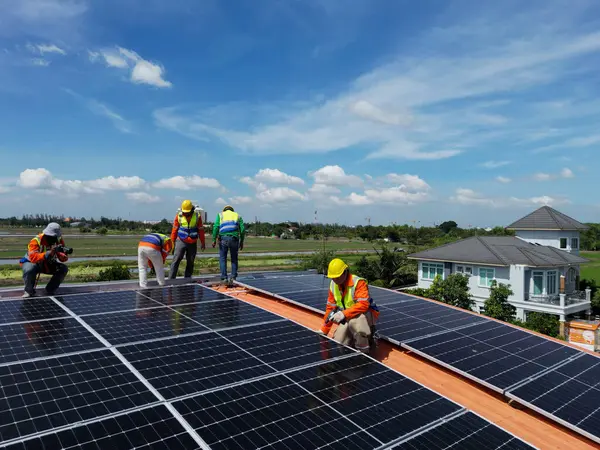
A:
{"x":550,"y":238}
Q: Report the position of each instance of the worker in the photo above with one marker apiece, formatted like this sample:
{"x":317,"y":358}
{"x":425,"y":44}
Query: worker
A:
{"x":187,"y":228}
{"x":153,"y":250}
{"x":46,"y":253}
{"x":351,"y":307}
{"x":229,"y":230}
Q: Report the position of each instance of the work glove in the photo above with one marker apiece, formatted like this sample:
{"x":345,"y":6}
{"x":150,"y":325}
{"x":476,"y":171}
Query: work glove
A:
{"x":338,"y":317}
{"x":62,"y":257}
{"x":214,"y":243}
{"x":241,"y":246}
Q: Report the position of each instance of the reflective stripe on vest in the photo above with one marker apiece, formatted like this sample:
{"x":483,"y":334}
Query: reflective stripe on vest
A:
{"x":229,"y":222}
{"x":38,"y":239}
{"x":348,"y":300}
{"x":188,"y":229}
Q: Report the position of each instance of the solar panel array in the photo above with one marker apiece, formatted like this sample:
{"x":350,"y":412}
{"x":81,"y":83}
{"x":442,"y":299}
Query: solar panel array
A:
{"x":549,"y":377}
{"x":188,"y":367}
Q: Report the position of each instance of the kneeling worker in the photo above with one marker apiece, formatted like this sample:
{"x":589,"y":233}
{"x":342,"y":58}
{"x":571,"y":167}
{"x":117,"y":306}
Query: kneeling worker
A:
{"x":352,"y":307}
{"x":46,"y":254}
{"x":153,"y":250}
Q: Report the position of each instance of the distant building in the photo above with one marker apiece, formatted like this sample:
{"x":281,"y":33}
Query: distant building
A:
{"x":541,"y":263}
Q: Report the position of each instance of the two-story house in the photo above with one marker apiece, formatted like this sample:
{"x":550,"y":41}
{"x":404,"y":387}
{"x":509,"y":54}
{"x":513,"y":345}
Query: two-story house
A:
{"x":541,"y":264}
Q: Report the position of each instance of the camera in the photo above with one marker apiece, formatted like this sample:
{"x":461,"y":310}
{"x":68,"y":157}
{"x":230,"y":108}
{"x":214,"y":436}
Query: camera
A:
{"x":65,"y":250}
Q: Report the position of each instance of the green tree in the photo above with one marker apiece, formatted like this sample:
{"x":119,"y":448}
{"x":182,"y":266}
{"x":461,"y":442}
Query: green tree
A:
{"x":102,"y":231}
{"x":497,"y":305}
{"x":436,"y":290}
{"x":455,"y":290}
{"x":388,"y":269}
{"x":547,"y":324}
{"x":319,"y":260}
{"x":448,"y":226}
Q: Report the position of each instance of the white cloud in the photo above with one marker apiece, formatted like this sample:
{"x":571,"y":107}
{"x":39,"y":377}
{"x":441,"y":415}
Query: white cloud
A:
{"x":369,"y":111}
{"x":279,"y":195}
{"x":118,"y":121}
{"x":567,"y":173}
{"x":142,"y":70}
{"x":45,"y":10}
{"x":240,"y":200}
{"x":495,"y":164}
{"x":40,"y":62}
{"x":564,"y":173}
{"x":334,"y":176}
{"x":502,"y":179}
{"x":320,"y":190}
{"x":111,"y":183}
{"x":469,"y":197}
{"x":220,"y":201}
{"x":142,"y":197}
{"x":353,"y":199}
{"x":575,"y":142}
{"x":542,"y":176}
{"x":413,"y":182}
{"x":35,"y":179}
{"x":187,"y":183}
{"x":276,"y":176}
{"x":5,"y":189}
{"x":42,"y":49}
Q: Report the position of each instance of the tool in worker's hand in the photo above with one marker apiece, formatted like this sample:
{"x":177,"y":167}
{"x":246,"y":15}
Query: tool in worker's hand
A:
{"x":333,"y":313}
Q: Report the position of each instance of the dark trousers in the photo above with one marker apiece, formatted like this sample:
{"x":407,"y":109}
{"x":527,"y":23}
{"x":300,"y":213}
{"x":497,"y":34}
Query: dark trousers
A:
{"x":30,"y":272}
{"x":189,"y":251}
{"x":228,"y":244}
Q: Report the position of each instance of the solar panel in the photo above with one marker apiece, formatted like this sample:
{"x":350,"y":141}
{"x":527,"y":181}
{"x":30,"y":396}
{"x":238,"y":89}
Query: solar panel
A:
{"x":493,"y":353}
{"x":27,"y":340}
{"x":29,"y":309}
{"x":467,"y":431}
{"x":294,"y":345}
{"x":315,"y":299}
{"x":569,"y":394}
{"x":192,"y":364}
{"x":150,"y":428}
{"x":144,"y":324}
{"x":102,"y":302}
{"x":55,"y":392}
{"x":270,"y":413}
{"x":184,"y":294}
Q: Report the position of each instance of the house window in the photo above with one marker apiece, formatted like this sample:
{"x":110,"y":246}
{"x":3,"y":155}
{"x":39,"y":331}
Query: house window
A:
{"x":538,"y":283}
{"x":551,"y":282}
{"x":575,"y":243}
{"x":486,"y":276}
{"x":430,"y":270}
{"x":563,"y":242}
{"x":465,"y":270}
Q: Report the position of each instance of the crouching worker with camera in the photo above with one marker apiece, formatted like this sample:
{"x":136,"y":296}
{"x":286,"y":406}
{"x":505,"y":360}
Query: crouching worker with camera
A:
{"x":46,"y":253}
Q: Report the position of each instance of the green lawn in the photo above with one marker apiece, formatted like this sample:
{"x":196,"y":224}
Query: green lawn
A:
{"x":591,"y":270}
{"x":86,"y":245}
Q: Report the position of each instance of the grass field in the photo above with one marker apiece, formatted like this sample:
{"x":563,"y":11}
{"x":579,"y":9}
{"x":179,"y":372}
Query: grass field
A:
{"x":591,"y":270}
{"x":85,"y":245}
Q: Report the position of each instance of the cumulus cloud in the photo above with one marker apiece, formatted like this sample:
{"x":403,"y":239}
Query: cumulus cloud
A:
{"x":320,"y":190}
{"x":141,"y":70}
{"x":142,"y":197}
{"x":334,"y":176}
{"x":279,"y":195}
{"x":187,"y":183}
{"x":276,"y":176}
{"x":240,"y":200}
{"x":413,"y":182}
{"x":220,"y":201}
{"x":470,"y":197}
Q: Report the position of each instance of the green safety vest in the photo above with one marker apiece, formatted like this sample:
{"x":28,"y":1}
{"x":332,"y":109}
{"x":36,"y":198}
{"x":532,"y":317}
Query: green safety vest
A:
{"x":347,"y":301}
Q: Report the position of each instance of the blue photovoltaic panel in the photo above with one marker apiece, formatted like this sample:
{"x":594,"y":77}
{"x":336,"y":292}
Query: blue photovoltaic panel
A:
{"x":27,"y":340}
{"x":29,"y":309}
{"x":316,"y":299}
{"x":184,"y":294}
{"x":103,"y":302}
{"x":152,"y":428}
{"x":496,"y":354}
{"x":55,"y":392}
{"x":467,"y":431}
{"x":569,"y":394}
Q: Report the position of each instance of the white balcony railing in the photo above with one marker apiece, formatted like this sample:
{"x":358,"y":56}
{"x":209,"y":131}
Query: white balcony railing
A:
{"x":563,"y":300}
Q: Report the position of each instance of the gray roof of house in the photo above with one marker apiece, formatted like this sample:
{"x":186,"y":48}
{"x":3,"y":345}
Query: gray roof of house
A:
{"x":547,"y":218}
{"x":499,"y":251}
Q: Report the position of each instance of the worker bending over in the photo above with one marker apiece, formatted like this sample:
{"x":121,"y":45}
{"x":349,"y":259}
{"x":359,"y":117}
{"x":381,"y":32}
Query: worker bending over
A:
{"x":153,"y":250}
{"x":350,"y":306}
{"x":46,"y":254}
{"x":229,"y":229}
{"x":187,"y":228}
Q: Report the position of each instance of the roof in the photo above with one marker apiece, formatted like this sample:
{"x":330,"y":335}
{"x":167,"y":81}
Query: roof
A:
{"x":547,"y":218}
{"x":499,"y":251}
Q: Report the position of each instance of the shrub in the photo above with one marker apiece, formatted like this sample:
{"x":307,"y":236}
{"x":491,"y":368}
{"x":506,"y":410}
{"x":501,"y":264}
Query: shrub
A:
{"x":102,"y":231}
{"x":547,"y":324}
{"x":319,"y":261}
{"x":497,"y":305}
{"x":115,"y":272}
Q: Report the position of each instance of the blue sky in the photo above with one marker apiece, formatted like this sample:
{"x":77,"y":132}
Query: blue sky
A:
{"x":392,"y":110}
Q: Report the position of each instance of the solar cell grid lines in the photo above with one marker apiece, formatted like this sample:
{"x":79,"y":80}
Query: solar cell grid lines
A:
{"x":270,"y":413}
{"x":103,"y":302}
{"x":295,"y":346}
{"x":150,"y":428}
{"x":570,"y":393}
{"x":29,"y":309}
{"x":29,"y":340}
{"x":192,"y":364}
{"x":183,"y":294}
{"x":56,"y":392}
{"x":144,"y":324}
{"x":464,"y":431}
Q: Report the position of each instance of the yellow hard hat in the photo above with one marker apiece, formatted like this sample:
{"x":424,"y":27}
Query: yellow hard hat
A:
{"x":336,"y":268}
{"x":187,"y":206}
